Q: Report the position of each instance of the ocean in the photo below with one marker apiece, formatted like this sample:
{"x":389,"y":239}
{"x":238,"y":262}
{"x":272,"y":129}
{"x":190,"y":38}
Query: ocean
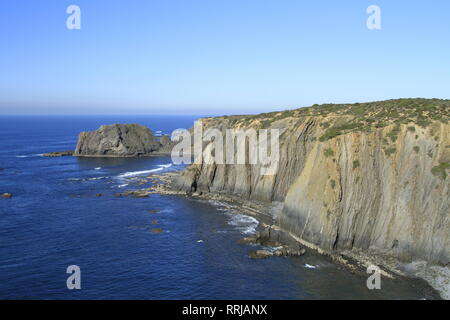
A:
{"x":55,"y":220}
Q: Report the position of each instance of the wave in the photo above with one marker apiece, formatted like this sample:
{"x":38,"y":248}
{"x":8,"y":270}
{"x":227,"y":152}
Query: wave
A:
{"x":139,"y":173}
{"x":98,"y":178}
{"x":87,"y":179}
{"x":272,"y":249}
{"x":30,"y":155}
{"x":245,"y":224}
{"x":98,"y":168}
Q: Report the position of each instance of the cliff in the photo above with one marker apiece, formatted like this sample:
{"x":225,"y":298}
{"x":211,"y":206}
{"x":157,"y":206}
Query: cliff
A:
{"x":121,"y":140}
{"x":362,"y":176}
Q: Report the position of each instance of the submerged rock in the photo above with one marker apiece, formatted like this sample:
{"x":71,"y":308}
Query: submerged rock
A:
{"x":6,"y":195}
{"x":133,"y":193}
{"x":249,"y":240}
{"x":260,"y":254}
{"x":156,"y":230}
{"x":66,"y":153}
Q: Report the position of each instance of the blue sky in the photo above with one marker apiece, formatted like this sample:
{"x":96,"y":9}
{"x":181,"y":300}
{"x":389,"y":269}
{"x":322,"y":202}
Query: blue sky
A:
{"x":218,"y":56}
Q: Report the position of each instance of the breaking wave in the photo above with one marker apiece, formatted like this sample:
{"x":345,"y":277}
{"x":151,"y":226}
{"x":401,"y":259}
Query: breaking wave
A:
{"x":245,"y":224}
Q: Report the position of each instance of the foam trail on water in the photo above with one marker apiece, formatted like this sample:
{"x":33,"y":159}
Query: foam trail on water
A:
{"x":30,"y":155}
{"x":138,"y":173}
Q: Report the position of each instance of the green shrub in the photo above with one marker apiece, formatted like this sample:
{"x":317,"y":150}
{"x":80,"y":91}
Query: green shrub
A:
{"x":356,"y":164}
{"x":328,"y":152}
{"x":440,"y":171}
{"x":393,"y":134}
{"x":390,"y":151}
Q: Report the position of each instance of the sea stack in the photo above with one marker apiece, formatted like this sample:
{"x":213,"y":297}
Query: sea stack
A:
{"x":120,"y":140}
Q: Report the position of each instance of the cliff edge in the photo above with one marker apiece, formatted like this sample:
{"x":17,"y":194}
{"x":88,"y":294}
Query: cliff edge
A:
{"x":371,"y":176}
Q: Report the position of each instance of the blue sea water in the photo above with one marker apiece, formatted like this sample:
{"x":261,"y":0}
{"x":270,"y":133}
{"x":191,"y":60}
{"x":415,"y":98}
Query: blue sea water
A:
{"x":55,"y":220}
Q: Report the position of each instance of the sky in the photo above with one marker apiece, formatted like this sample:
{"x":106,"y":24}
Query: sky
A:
{"x":218,"y":56}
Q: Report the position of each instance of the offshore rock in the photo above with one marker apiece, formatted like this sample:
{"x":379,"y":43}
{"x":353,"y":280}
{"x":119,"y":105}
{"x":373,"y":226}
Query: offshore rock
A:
{"x":121,"y":140}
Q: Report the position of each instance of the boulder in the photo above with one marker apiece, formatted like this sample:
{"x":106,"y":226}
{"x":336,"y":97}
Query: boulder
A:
{"x":6,"y":195}
{"x":286,"y":252}
{"x":260,"y":254}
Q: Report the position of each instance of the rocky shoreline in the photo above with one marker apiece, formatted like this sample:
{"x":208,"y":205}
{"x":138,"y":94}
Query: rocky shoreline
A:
{"x":360,"y":193}
{"x":287,"y":244}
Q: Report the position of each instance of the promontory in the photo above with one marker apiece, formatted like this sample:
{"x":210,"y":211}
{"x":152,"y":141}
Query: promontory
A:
{"x":367,"y":177}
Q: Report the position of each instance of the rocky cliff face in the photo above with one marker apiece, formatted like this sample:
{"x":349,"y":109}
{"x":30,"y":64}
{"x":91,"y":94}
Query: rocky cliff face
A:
{"x":120,"y":140}
{"x":368,"y":176}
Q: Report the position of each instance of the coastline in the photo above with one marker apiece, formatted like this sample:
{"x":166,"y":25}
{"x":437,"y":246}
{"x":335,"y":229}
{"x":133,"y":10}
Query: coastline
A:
{"x":355,"y":261}
{"x":61,"y":154}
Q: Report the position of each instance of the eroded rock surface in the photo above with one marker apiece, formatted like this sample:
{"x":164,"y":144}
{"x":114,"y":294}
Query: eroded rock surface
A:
{"x":121,"y":140}
{"x":365,"y":177}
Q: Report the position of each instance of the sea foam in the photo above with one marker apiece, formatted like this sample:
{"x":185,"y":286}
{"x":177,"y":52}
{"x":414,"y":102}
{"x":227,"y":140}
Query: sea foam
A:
{"x":139,"y":173}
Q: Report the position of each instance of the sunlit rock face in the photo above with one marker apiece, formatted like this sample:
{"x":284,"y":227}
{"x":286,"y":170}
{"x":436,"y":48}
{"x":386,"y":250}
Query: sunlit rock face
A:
{"x":119,"y":140}
{"x":372,"y":176}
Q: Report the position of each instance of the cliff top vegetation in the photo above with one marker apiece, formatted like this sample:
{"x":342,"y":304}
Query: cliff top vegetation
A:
{"x":358,"y":116}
